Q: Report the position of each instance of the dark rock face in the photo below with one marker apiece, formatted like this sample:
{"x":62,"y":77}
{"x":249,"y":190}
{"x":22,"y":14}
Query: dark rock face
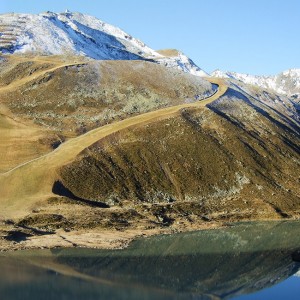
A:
{"x":296,"y":256}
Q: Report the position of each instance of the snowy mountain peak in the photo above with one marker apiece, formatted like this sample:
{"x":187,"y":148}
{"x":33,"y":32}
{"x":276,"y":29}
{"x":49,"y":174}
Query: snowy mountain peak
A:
{"x":287,"y":82}
{"x":71,"y":33}
{"x":75,"y":33}
{"x":176,"y":59}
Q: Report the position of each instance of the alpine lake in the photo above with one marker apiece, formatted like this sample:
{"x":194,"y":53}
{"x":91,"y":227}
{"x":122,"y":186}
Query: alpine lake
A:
{"x":243,"y":261}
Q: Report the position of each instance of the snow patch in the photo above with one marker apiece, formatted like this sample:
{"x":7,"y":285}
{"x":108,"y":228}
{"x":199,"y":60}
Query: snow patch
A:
{"x":297,"y":274}
{"x":286,"y":83}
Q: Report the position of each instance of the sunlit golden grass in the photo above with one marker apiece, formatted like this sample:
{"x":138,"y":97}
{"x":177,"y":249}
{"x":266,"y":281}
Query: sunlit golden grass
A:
{"x":28,"y":184}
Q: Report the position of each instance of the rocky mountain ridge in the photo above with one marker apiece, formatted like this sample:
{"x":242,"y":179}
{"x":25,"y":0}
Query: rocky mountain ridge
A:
{"x":69,"y":33}
{"x":286,"y":82}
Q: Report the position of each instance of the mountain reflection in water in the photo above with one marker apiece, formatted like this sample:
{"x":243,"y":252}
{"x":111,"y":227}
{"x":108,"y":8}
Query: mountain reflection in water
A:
{"x":210,"y":264}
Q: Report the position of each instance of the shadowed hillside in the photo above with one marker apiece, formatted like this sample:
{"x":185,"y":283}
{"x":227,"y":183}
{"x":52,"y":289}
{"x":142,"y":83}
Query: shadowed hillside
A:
{"x":238,"y":159}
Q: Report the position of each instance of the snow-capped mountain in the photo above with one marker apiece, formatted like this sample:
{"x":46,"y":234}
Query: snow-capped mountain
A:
{"x":172,"y":58}
{"x":287,"y":82}
{"x":78,"y":34}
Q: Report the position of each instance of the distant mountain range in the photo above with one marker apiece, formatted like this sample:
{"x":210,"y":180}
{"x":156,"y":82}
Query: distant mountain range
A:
{"x":287,"y":82}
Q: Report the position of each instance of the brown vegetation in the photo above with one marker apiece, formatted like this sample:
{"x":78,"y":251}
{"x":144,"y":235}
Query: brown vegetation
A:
{"x":182,"y":167}
{"x":200,"y":157}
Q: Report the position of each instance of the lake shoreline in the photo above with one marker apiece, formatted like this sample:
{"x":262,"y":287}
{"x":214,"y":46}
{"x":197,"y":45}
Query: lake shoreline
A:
{"x":104,"y":238}
{"x":240,"y":258}
{"x":94,"y":239}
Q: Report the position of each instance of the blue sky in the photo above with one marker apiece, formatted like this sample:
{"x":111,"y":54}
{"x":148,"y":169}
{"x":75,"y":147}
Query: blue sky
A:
{"x":254,"y":36}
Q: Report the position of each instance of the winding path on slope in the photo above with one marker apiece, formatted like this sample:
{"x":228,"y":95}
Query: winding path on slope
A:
{"x":30,"y":183}
{"x":18,"y":136}
{"x":35,"y":75}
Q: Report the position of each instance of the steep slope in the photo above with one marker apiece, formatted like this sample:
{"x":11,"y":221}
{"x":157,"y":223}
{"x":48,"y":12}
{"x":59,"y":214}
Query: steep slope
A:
{"x":50,"y":33}
{"x":77,"y":34}
{"x":189,"y":167}
{"x":34,"y":180}
{"x":238,"y":159}
{"x":286,"y":83}
{"x":62,"y":98}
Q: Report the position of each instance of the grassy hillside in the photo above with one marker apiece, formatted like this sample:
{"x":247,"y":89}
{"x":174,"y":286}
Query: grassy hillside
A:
{"x":234,"y":159}
{"x":47,"y":100}
{"x":84,"y":95}
{"x":136,"y":151}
